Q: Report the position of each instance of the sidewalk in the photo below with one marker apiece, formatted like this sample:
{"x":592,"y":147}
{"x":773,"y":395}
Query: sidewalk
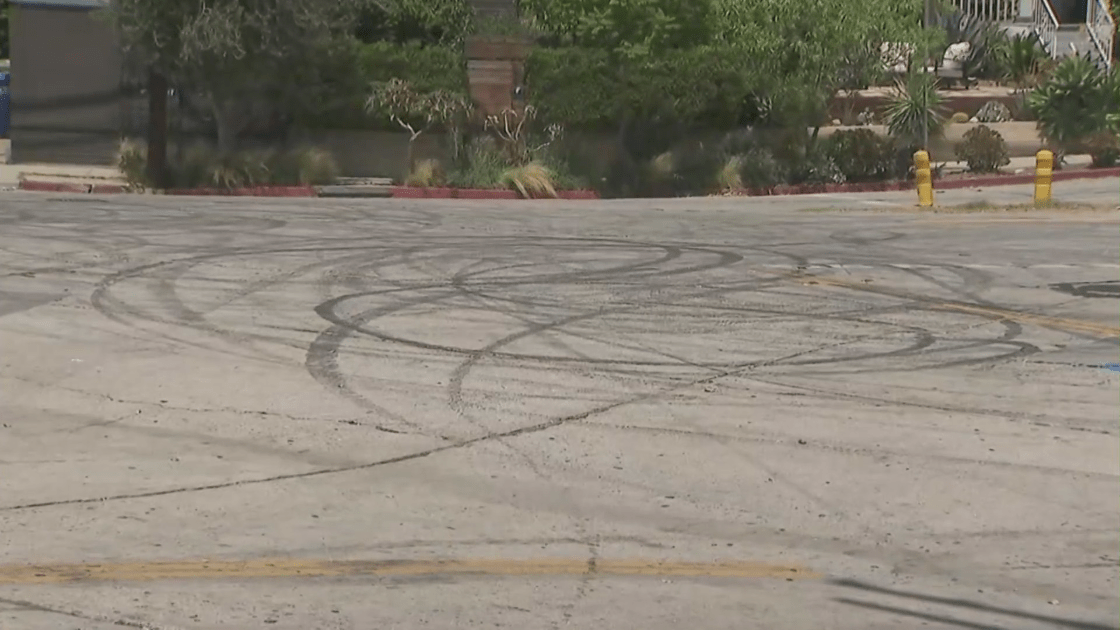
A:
{"x":71,"y":173}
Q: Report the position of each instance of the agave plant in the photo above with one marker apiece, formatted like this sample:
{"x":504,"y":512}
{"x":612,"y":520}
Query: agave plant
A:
{"x":1073,"y":104}
{"x":916,"y":111}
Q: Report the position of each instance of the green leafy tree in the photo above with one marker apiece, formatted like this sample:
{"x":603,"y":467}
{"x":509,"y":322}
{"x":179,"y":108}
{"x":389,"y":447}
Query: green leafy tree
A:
{"x":629,"y":28}
{"x":809,"y":50}
{"x":444,"y":22}
{"x":236,"y":56}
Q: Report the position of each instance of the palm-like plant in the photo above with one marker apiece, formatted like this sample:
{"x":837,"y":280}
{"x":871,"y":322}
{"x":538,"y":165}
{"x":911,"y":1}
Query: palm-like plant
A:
{"x":916,"y":111}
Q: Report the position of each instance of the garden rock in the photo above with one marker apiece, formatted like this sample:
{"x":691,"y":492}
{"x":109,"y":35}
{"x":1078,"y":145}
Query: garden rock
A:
{"x":993,"y":112}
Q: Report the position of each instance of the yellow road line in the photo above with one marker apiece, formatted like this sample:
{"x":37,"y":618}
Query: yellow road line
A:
{"x":312,"y":568}
{"x":1061,"y":323}
{"x":1072,"y":325}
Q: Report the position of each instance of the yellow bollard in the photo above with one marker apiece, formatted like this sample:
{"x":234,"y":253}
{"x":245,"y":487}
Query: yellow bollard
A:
{"x":924,"y":177}
{"x":1043,"y":176}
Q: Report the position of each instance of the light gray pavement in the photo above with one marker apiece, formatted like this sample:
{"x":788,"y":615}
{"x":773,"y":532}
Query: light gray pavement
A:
{"x":707,"y":413}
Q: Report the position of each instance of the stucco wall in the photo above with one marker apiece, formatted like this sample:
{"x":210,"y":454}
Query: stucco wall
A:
{"x":66,"y":77}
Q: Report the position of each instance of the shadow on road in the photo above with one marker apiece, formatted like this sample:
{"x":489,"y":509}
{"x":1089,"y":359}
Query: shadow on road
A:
{"x":1015,"y":618}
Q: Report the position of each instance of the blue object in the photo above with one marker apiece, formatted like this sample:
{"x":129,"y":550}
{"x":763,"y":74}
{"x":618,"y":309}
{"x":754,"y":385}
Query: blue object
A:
{"x":5,"y":104}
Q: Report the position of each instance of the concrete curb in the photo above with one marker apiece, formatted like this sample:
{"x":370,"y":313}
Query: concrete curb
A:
{"x":116,"y":189}
{"x":255,"y":191}
{"x":986,"y":181}
{"x":409,"y":192}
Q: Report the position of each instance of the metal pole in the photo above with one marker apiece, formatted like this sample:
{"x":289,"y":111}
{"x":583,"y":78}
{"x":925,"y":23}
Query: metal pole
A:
{"x":925,"y":57}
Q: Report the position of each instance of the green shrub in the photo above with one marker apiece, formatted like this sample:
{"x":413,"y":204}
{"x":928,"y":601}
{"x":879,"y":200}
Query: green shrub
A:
{"x":203,"y":166}
{"x":584,"y":88}
{"x":193,"y":169}
{"x":960,"y":117}
{"x":483,"y":166}
{"x":1073,"y":104}
{"x":730,"y":176}
{"x":132,"y":161}
{"x":532,"y":181}
{"x":317,"y":167}
{"x":426,"y":174}
{"x":860,"y":154}
{"x":983,"y":149}
{"x":695,"y":169}
{"x":819,"y":168}
{"x":1104,"y":148}
{"x":760,"y":169}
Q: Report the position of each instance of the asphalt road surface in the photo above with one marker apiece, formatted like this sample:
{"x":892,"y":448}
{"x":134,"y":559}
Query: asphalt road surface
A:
{"x":647,"y":414}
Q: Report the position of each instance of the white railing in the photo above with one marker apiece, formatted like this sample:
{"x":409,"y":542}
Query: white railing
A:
{"x":1046,"y":26}
{"x":989,"y":10}
{"x":1101,"y":29}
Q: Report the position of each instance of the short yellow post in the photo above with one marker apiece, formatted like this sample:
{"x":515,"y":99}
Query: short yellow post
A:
{"x":1043,"y":176}
{"x":924,"y":177}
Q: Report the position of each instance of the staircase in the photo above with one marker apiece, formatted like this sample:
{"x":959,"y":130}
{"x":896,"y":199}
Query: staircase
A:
{"x":1092,"y":38}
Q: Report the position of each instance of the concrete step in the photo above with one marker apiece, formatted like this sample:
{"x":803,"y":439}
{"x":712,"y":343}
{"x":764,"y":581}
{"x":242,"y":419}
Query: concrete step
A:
{"x":355,"y":191}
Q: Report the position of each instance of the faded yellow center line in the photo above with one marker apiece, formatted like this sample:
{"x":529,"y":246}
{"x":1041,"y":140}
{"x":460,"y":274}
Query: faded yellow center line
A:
{"x":313,"y":568}
{"x":1072,"y":325}
{"x":1061,"y":323}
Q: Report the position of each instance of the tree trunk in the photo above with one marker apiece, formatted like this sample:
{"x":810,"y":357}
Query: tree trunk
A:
{"x":157,"y":129}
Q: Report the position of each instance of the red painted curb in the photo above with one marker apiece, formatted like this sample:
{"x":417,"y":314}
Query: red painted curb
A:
{"x":256,"y":191}
{"x":477,"y":194}
{"x":814,"y":189}
{"x":939,"y":184}
{"x":60,"y":187}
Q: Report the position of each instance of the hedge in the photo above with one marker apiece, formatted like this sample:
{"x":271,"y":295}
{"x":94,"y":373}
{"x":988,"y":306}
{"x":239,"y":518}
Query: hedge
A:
{"x":583,"y":88}
{"x":577,"y":87}
{"x":425,"y":67}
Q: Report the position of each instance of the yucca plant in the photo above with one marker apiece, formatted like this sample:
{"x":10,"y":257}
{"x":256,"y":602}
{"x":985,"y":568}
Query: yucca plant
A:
{"x":916,"y":110}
